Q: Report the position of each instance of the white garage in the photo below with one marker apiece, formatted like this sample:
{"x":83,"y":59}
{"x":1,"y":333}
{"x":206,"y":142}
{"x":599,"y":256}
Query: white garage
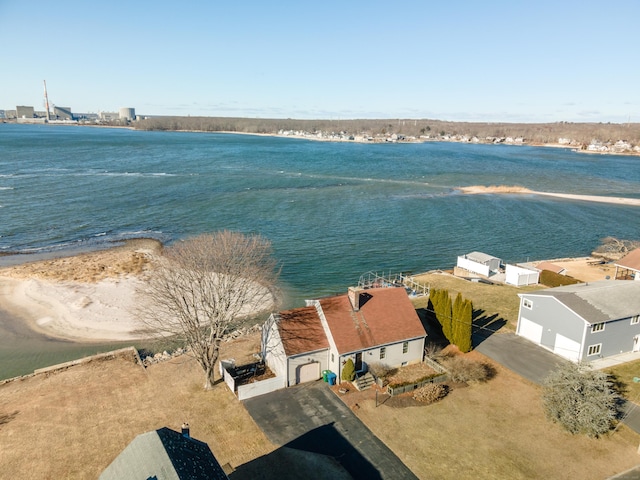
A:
{"x":567,"y":348}
{"x":308,"y":372}
{"x":530,"y":330}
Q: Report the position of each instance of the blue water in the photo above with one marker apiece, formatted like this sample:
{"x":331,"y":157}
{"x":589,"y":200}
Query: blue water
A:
{"x":333,"y":211}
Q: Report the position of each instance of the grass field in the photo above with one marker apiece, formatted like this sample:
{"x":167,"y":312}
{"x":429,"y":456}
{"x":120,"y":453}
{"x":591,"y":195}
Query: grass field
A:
{"x":73,"y":423}
{"x":493,"y":304}
{"x":495,"y":430}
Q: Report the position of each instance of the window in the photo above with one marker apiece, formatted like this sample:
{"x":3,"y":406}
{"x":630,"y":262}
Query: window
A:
{"x":597,"y":327}
{"x":594,"y":349}
{"x":332,"y":358}
{"x":635,"y":319}
{"x":383,"y":352}
{"x":405,"y":347}
{"x":526,"y":303}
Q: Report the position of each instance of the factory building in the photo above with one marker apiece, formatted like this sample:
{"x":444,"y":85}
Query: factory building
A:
{"x":127,"y":113}
{"x":62,"y":113}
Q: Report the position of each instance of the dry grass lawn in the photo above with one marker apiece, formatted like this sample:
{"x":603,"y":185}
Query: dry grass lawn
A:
{"x":73,"y":423}
{"x":625,"y":373}
{"x":495,"y":430}
{"x":497,"y":302}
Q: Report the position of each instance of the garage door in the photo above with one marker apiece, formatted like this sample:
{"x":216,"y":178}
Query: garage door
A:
{"x":567,"y":348}
{"x":530,"y":330}
{"x":308,"y":372}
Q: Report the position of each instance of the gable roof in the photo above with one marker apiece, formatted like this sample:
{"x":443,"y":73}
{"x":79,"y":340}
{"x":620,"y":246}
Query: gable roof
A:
{"x":631,"y":260}
{"x":597,"y":301}
{"x":301,"y":331}
{"x":165,"y":454}
{"x":386,"y":316}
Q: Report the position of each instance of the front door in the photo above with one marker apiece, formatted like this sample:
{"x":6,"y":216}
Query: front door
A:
{"x":636,"y":343}
{"x":358,"y":364}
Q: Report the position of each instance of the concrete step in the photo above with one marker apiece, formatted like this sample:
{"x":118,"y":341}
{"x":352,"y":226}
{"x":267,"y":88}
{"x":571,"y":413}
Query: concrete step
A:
{"x":364,"y":382}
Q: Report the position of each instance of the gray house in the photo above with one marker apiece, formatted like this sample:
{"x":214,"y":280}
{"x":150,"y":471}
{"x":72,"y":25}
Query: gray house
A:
{"x":165,"y":454}
{"x":583,"y":322}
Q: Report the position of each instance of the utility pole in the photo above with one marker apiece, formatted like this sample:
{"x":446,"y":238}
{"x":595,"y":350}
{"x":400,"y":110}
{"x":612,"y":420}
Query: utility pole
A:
{"x":46,"y":99}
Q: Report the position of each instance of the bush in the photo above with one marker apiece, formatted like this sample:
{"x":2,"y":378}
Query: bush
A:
{"x":580,"y":399}
{"x":433,"y":351}
{"x":381,"y":370}
{"x":464,"y":370}
{"x":348,"y":371}
{"x":553,"y":279}
{"x":431,"y":393}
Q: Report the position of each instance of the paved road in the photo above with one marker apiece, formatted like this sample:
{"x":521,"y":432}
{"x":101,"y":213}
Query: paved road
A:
{"x":534,"y":363}
{"x":310,"y":418}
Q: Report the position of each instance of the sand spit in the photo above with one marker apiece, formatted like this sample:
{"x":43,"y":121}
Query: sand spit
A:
{"x":505,"y":189}
{"x":91,"y":297}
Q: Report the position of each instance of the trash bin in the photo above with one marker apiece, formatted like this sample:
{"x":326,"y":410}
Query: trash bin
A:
{"x":331,"y":377}
{"x":324,"y":375}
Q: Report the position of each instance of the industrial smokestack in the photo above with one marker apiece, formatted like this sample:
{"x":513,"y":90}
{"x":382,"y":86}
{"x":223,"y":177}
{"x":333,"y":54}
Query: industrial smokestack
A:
{"x":46,"y":99}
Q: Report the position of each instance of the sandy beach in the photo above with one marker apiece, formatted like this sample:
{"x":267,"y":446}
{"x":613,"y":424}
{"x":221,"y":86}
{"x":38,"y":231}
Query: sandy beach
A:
{"x":87,"y":297}
{"x":91,"y":297}
{"x":504,"y":189}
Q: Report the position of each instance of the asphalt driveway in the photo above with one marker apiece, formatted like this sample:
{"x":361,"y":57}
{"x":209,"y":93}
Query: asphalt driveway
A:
{"x":310,"y":418}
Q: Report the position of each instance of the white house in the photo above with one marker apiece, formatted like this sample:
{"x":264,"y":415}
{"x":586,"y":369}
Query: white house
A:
{"x":480,"y":263}
{"x":585,"y":321}
{"x":377,"y":325}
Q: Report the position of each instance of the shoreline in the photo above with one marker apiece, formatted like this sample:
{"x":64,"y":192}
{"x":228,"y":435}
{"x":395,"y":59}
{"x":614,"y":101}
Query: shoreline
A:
{"x":91,"y":297}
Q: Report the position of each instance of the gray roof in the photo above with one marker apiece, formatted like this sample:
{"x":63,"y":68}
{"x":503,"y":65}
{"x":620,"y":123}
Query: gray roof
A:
{"x":598,"y":301}
{"x":480,"y":257}
{"x":165,"y":454}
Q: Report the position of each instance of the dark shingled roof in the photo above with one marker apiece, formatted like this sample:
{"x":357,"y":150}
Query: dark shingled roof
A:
{"x":165,"y":454}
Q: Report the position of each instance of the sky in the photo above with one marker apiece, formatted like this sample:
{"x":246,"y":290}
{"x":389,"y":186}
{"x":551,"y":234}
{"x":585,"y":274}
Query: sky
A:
{"x":457,"y":60}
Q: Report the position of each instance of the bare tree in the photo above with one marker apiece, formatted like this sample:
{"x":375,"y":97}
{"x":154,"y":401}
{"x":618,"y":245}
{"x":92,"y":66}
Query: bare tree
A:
{"x":200,"y":288}
{"x":580,"y":399}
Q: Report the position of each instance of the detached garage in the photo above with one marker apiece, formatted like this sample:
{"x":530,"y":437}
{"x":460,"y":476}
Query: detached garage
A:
{"x":583,"y":322}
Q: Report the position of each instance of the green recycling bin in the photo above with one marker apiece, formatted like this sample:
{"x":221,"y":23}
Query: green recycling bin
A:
{"x":324,"y":375}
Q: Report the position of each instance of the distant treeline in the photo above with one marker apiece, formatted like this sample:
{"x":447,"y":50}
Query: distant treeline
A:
{"x":533,"y":133}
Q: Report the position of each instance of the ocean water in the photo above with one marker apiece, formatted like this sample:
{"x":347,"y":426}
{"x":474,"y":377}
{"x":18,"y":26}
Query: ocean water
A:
{"x":333,"y":211}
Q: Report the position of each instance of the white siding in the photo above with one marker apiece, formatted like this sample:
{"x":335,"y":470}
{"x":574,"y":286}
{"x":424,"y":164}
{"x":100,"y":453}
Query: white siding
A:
{"x":567,"y":348}
{"x":294,"y":364}
{"x":529,"y":330}
{"x":519,"y":276}
{"x":472,"y":266}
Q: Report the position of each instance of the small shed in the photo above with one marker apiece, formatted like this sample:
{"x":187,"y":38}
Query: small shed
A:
{"x":628,"y":267}
{"x":520,"y":276}
{"x":480,"y":263}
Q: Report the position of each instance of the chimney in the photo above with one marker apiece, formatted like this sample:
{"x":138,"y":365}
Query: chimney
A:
{"x":185,"y":430}
{"x":354,"y":297}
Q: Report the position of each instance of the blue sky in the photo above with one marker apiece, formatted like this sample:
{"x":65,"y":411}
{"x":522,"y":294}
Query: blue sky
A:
{"x":514,"y":61}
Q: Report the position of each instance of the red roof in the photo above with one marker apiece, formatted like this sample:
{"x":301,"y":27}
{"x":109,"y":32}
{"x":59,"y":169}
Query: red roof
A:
{"x":552,"y":267}
{"x":301,"y":331}
{"x":631,"y":260}
{"x":386,"y":316}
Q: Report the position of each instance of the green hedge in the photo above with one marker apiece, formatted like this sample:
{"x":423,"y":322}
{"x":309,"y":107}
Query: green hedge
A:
{"x":552,"y":279}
